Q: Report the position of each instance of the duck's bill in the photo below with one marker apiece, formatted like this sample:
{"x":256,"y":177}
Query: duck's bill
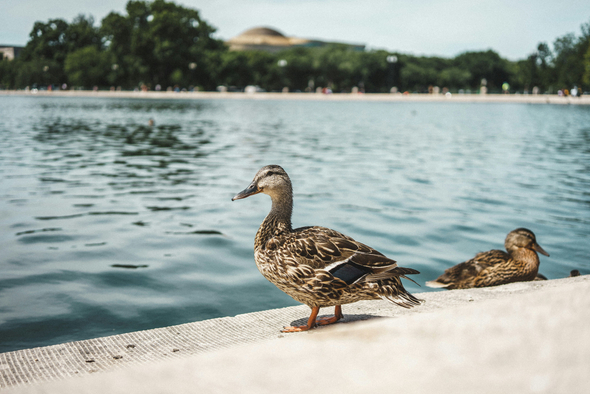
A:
{"x":249,"y":191}
{"x":539,"y":249}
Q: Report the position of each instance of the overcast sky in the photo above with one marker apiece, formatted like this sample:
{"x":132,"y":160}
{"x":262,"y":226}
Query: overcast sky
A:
{"x":513,"y":28}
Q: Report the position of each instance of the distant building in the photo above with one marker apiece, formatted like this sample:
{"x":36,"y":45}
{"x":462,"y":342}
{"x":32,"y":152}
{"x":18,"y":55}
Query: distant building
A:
{"x":270,"y":40}
{"x":10,"y":51}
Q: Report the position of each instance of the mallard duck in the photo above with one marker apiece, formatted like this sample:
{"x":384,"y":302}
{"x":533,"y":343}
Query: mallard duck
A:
{"x":496,"y":267}
{"x":574,"y":273}
{"x":317,"y":266}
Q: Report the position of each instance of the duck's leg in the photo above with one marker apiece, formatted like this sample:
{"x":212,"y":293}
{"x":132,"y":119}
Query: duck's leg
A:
{"x":311,"y":322}
{"x":322,"y":321}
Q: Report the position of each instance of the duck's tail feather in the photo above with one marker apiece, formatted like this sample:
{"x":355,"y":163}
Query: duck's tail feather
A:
{"x":437,"y":285}
{"x":405,"y":300}
{"x":410,"y":279}
{"x":400,"y":272}
{"x":405,"y":271}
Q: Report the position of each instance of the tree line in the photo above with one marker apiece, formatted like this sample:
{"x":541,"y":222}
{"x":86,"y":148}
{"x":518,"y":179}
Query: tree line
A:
{"x":162,"y":44}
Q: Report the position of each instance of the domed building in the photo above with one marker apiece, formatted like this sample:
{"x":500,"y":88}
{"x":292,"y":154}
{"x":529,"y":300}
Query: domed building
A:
{"x":271,"y":40}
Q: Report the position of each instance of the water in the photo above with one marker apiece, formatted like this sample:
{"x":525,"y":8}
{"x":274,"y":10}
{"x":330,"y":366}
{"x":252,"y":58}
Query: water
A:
{"x":110,"y":226}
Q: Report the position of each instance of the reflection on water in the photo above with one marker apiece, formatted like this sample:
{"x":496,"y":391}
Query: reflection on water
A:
{"x":110,"y":224}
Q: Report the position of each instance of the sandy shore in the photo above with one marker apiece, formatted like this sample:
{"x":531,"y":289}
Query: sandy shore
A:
{"x":455,"y":98}
{"x":531,"y":337}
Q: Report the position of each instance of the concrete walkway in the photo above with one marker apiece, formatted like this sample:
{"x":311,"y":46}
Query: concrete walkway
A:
{"x":520,"y":338}
{"x":414,"y":97}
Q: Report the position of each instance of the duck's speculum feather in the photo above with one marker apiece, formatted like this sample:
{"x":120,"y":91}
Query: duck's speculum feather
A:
{"x":349,"y":272}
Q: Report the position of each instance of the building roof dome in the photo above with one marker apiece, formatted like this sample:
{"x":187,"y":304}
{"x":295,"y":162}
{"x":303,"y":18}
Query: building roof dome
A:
{"x":270,"y":40}
{"x":262,"y":31}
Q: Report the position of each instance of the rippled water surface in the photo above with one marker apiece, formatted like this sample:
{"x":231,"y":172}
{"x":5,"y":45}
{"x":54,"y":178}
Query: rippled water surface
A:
{"x":109,"y":225}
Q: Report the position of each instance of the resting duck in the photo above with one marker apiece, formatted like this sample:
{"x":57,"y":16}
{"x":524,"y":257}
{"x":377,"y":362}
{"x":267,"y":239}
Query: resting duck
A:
{"x":496,"y":267}
{"x":318,"y":266}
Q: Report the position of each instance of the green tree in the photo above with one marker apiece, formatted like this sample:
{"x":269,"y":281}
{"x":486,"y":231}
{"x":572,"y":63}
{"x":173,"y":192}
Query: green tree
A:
{"x":235,"y":69}
{"x":82,"y":33}
{"x":417,"y":76}
{"x":115,"y":34}
{"x":7,"y":74}
{"x":298,"y":71}
{"x":545,"y":69}
{"x":568,"y":65}
{"x":455,"y":78}
{"x":49,"y":46}
{"x":374,"y":73}
{"x":161,"y":42}
{"x":38,"y":72}
{"x":332,"y":66}
{"x":88,"y":67}
{"x":527,"y":74}
{"x":488,"y":65}
{"x":47,"y":41}
{"x":586,"y":76}
{"x":46,"y":49}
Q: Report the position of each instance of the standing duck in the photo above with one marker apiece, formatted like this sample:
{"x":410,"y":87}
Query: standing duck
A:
{"x":496,"y":267}
{"x":315,"y":265}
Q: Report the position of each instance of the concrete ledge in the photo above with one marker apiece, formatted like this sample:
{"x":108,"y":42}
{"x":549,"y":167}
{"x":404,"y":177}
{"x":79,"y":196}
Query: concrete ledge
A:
{"x":522,"y":337}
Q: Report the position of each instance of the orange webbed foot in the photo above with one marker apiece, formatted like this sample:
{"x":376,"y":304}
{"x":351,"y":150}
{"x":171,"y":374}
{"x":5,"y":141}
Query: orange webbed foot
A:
{"x":324,"y":321}
{"x":295,"y":328}
{"x":312,"y":321}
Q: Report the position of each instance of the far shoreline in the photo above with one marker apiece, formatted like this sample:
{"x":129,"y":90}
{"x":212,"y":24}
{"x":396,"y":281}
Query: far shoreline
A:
{"x":379,"y":97}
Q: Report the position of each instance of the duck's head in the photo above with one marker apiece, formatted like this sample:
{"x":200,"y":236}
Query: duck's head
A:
{"x":522,"y":238}
{"x":271,"y":180}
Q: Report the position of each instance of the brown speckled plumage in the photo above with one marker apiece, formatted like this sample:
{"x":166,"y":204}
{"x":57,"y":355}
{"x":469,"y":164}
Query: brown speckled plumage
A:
{"x":496,"y":267}
{"x":315,"y":265}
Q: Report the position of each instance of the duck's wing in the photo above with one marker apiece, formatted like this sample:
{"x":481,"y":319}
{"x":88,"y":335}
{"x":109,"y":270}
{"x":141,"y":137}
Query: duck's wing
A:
{"x":490,"y":258}
{"x":463,"y":274}
{"x":340,"y":255}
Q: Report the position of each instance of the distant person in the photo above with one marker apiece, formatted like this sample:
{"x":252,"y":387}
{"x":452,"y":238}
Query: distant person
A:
{"x":574,"y":91}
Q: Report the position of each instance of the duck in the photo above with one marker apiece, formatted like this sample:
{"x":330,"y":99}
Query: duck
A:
{"x":520,"y":263}
{"x":573,"y":274}
{"x":315,"y":265}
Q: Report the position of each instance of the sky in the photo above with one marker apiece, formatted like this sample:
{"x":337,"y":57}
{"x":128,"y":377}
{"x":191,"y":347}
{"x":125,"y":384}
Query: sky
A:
{"x":513,"y":28}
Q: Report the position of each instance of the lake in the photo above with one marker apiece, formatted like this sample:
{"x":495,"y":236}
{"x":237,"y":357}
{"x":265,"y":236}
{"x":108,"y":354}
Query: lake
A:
{"x":109,"y":225}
